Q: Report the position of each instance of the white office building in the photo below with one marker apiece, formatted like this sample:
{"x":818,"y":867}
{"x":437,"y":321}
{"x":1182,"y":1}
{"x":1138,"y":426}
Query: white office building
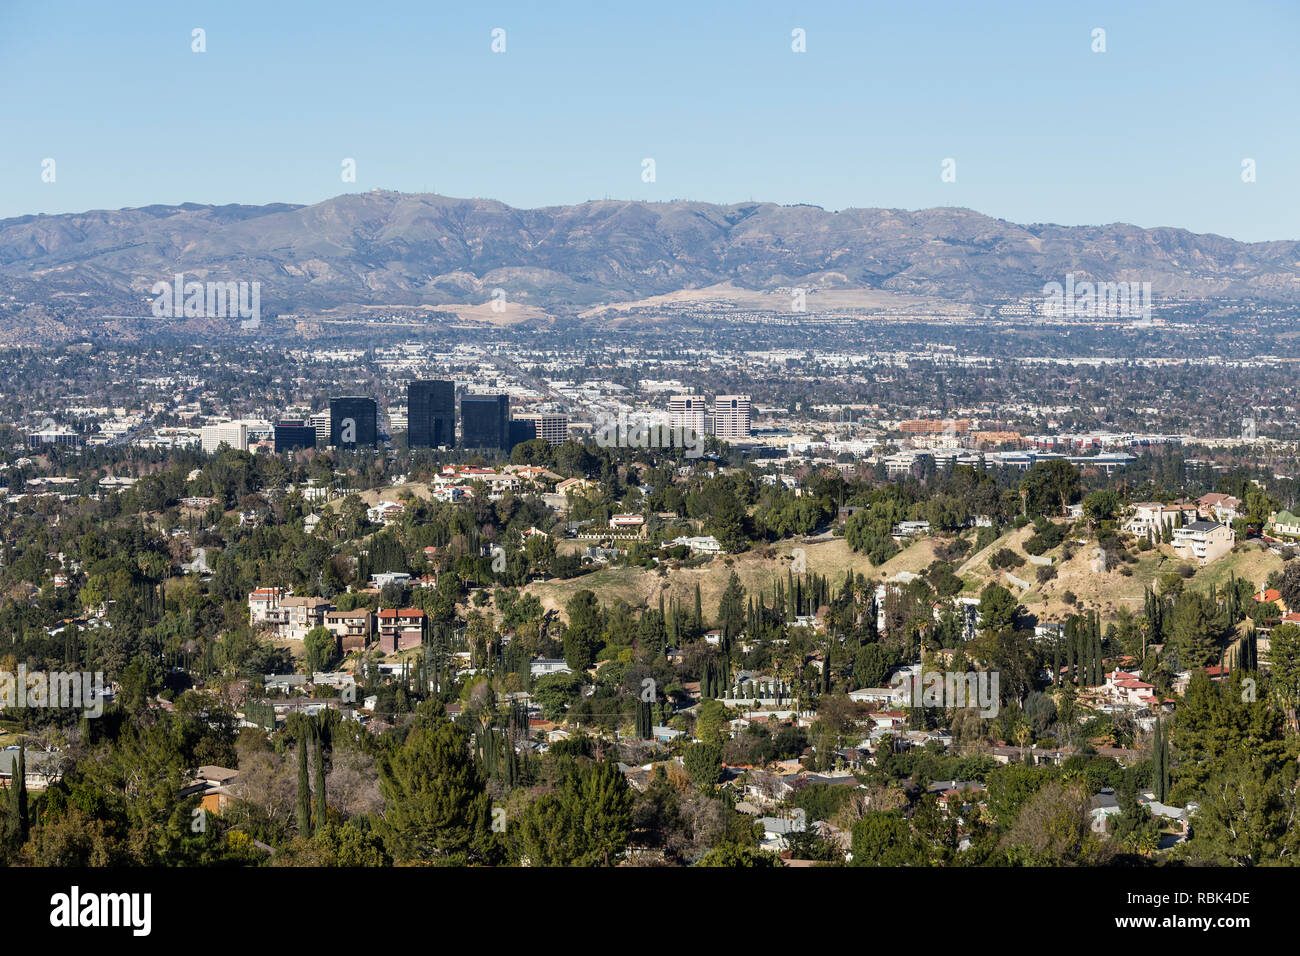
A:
{"x":321,"y":422}
{"x":234,"y":434}
{"x":731,"y":417}
{"x":688,"y":411}
{"x":552,"y":429}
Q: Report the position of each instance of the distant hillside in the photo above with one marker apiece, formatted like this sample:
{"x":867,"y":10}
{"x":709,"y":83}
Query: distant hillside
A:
{"x":387,"y":248}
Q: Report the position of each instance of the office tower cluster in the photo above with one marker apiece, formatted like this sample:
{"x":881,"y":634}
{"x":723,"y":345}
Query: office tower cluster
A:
{"x":352,"y":421}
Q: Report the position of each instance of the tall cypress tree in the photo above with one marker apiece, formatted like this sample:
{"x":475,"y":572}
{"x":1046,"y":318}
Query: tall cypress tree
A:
{"x":644,"y":720}
{"x":304,"y":780}
{"x":17,"y":821}
{"x":1156,"y":751}
{"x":1160,"y":763}
{"x":1071,"y":645}
{"x":11,"y":820}
{"x":319,"y":797}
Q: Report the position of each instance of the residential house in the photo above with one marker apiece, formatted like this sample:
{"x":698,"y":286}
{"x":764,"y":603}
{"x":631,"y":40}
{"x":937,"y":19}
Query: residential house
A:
{"x":385,"y":578}
{"x":353,"y":628}
{"x":909,"y":529}
{"x":776,"y":829}
{"x":889,"y":719}
{"x":1004,"y":754}
{"x":1151,"y":517}
{"x":298,"y":615}
{"x":1284,"y":524}
{"x":699,"y":544}
{"x":1127,"y":689}
{"x":541,"y":666}
{"x":40,"y":768}
{"x":1101,"y":808}
{"x":1203,"y":541}
{"x":627,"y":522}
{"x":214,"y":783}
{"x":400,"y":629}
{"x":284,"y":682}
{"x":578,"y":486}
{"x":264,"y":604}
{"x":1222,"y":508}
{"x":386,"y":512}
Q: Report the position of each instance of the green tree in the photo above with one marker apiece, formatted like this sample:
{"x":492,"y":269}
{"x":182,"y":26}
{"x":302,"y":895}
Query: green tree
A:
{"x":870,"y":666}
{"x":711,"y":719}
{"x":884,"y":838}
{"x":582,"y":638}
{"x":1160,"y":763}
{"x":1247,"y":813}
{"x":1213,"y":727}
{"x":703,"y":762}
{"x":1284,"y":667}
{"x":302,"y":730}
{"x":1194,"y":632}
{"x":997,"y":612}
{"x":586,"y":823}
{"x":1050,"y":486}
{"x":732,"y":856}
{"x":318,"y":754}
{"x":1101,"y":506}
{"x":322,"y":649}
{"x":437,"y":808}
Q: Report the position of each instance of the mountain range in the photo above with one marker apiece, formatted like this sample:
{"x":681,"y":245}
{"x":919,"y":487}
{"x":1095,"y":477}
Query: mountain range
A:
{"x":389,"y":249}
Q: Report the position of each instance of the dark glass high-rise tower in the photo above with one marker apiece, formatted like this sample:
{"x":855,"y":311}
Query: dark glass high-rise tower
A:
{"x":431,"y":413}
{"x":353,"y":421}
{"x":521,"y":430}
{"x":292,"y":435}
{"x":485,"y":421}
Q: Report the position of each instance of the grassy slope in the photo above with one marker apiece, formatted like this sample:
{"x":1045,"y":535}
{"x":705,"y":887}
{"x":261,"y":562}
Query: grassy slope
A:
{"x":1108,"y":591}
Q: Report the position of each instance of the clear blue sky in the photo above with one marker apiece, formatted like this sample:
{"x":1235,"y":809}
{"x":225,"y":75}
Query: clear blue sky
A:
{"x":1153,"y":131}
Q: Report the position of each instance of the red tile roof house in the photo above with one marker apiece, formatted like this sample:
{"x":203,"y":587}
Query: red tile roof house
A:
{"x":263,"y":603}
{"x":400,"y":629}
{"x":1128,"y":688}
{"x":1223,"y":508}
